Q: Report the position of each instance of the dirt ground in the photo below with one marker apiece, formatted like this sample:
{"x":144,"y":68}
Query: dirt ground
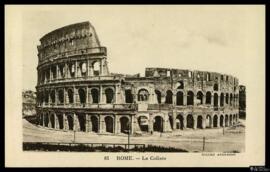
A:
{"x":191,"y":140}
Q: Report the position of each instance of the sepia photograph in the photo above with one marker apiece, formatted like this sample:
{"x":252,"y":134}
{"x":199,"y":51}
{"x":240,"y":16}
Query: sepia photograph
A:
{"x":135,"y":85}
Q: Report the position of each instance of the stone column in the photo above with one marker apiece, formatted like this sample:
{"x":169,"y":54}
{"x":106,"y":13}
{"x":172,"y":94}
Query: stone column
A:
{"x":49,"y":124}
{"x":184,"y":98}
{"x":132,"y":124}
{"x":65,"y":122}
{"x":117,"y":94}
{"x":64,"y":92}
{"x":212,"y":122}
{"x":56,"y":121}
{"x":151,"y":123}
{"x":195,"y":122}
{"x":50,"y":74}
{"x":43,"y":120}
{"x":57,"y":72}
{"x":218,"y":122}
{"x":87,"y":96}
{"x":212,"y":99}
{"x":174,"y":120}
{"x":184,"y":122}
{"x":174,"y":99}
{"x":89,"y":123}
{"x":203,"y":123}
{"x":116,"y":125}
{"x":76,"y":69}
{"x":76,"y":122}
{"x":101,"y":67}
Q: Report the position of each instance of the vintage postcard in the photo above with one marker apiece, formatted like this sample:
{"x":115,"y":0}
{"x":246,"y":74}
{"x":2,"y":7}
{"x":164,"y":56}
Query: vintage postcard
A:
{"x":135,"y":86}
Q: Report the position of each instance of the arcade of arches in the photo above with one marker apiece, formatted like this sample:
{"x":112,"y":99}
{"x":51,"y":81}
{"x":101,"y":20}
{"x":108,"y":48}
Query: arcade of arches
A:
{"x":131,"y":123}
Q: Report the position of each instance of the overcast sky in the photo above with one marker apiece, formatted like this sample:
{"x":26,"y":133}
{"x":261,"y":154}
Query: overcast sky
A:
{"x":220,"y":39}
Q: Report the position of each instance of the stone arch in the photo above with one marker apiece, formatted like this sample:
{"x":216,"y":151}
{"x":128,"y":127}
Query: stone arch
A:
{"x":215,"y":121}
{"x":158,"y":124}
{"x":169,"y":97}
{"x":180,"y":85}
{"x":71,"y":68}
{"x":52,"y":120}
{"x":109,"y":124}
{"x":221,"y":121}
{"x":143,"y":95}
{"x":190,"y":121}
{"x":190,"y":98}
{"x":143,"y":123}
{"x":46,"y":96}
{"x":222,"y":99}
{"x":95,"y":95}
{"x":226,"y":120}
{"x":109,"y":93}
{"x":83,"y":68}
{"x":208,"y":121}
{"x":94,"y":122}
{"x":180,"y":125}
{"x":200,"y":97}
{"x":200,"y":122}
{"x":208,"y":97}
{"x":70,"y":96}
{"x":179,"y":98}
{"x":215,"y":100}
{"x":158,"y":95}
{"x":82,"y":95}
{"x":124,"y":125}
{"x":234,"y":119}
{"x":70,"y":122}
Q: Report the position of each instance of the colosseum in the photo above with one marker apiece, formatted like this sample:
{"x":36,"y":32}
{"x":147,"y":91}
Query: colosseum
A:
{"x":76,"y":91}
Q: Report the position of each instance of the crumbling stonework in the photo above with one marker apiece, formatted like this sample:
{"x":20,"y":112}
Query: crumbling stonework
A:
{"x":76,"y":91}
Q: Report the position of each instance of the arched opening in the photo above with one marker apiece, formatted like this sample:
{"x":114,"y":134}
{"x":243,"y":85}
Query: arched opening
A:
{"x":109,"y":124}
{"x":82,"y":121}
{"x":70,"y":96}
{"x":95,"y":95}
{"x":227,"y":98}
{"x":200,"y":97}
{"x":208,"y":121}
{"x":61,"y":70}
{"x":169,"y":97}
{"x":226,"y":121}
{"x":208,"y":97}
{"x":61,"y":96}
{"x":221,"y":119}
{"x":60,"y":121}
{"x":94,"y":122}
{"x":96,"y":68}
{"x":52,"y":120}
{"x":171,"y":121}
{"x":200,"y":122}
{"x":158,"y":124}
{"x":82,"y":96}
{"x":143,"y":123}
{"x":54,"y":71}
{"x":215,"y":87}
{"x":158,"y":95}
{"x":124,"y":125}
{"x":46,"y":120}
{"x":215,"y":100}
{"x":70,"y":122}
{"x":52,"y":95}
{"x":215,"y":121}
{"x":41,"y":120}
{"x":190,"y":98}
{"x":46,"y":96}
{"x":222,"y":99}
{"x":190,"y":121}
{"x":143,"y":95}
{"x":180,"y":122}
{"x":128,"y":96}
{"x":109,"y":95}
{"x":179,"y":98}
{"x":231,"y":97}
{"x":233,"y":119}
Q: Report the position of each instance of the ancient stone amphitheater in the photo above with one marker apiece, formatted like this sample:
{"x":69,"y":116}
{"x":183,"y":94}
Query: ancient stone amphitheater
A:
{"x":76,"y":91}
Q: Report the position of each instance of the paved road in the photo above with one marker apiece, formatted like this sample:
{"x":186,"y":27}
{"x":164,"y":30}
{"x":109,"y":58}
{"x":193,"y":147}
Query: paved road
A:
{"x":190,"y":140}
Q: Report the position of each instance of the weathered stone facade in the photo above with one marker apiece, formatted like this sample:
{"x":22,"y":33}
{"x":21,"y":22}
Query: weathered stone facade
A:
{"x":76,"y":91}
